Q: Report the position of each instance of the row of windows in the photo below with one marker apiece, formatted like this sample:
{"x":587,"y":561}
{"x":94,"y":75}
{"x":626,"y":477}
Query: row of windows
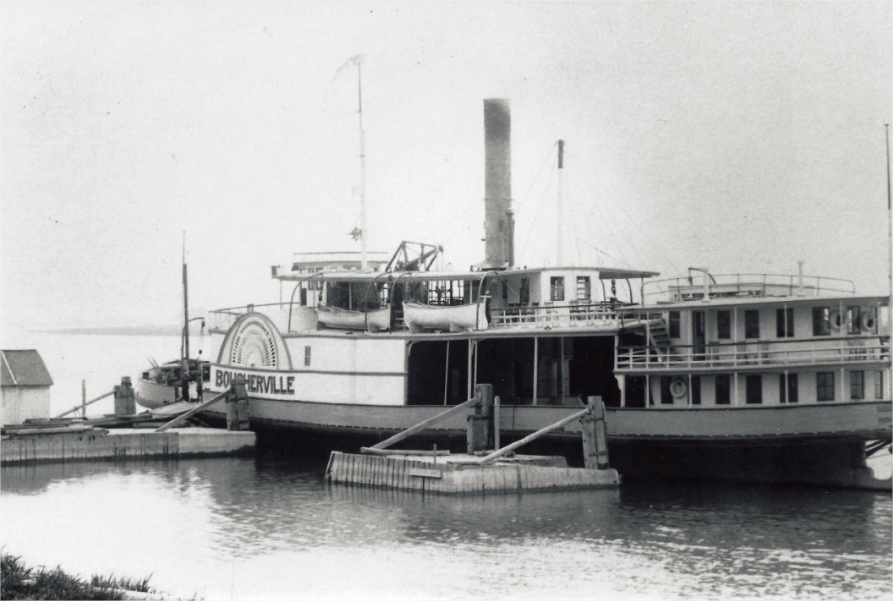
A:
{"x":823,"y":319}
{"x":788,"y":389}
{"x":556,"y":288}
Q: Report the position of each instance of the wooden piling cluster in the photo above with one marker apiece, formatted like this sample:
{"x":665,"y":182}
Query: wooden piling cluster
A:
{"x":480,"y":471}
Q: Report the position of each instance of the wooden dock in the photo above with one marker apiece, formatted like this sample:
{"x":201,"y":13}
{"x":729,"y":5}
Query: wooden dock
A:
{"x":95,"y":444}
{"x":464,"y":474}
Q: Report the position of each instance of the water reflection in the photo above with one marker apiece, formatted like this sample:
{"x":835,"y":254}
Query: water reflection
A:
{"x":248,"y":528}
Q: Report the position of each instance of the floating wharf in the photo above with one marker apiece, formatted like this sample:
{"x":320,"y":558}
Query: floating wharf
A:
{"x":98,"y":439}
{"x":464,"y":474}
{"x":84,"y":442}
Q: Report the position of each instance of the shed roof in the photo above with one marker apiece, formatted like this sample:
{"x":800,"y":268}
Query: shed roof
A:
{"x":23,"y":368}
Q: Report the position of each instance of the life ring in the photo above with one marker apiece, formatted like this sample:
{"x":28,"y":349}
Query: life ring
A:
{"x":867,"y":321}
{"x":838,"y":319}
{"x":678,"y":388}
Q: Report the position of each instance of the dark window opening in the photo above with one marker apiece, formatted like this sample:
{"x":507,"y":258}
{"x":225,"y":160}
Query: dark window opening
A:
{"x":635,"y":391}
{"x":753,"y":389}
{"x":666,"y":395}
{"x":787,"y":394}
{"x":857,"y":385}
{"x":696,"y":390}
{"x":556,"y":289}
{"x":784,"y":323}
{"x":675,"y":329}
{"x":825,"y":386}
{"x":751,"y":324}
{"x":723,"y":324}
{"x":821,"y":321}
{"x":723,"y":390}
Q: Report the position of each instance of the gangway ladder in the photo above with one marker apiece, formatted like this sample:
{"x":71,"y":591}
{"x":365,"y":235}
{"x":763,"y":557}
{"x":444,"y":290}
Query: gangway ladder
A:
{"x":659,"y":343}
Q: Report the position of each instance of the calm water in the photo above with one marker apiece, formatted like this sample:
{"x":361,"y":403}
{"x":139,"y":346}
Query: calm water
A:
{"x":244,"y":529}
{"x":248,"y":529}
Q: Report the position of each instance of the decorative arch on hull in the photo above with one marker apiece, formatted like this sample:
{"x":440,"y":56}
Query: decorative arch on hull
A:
{"x":254,"y":341}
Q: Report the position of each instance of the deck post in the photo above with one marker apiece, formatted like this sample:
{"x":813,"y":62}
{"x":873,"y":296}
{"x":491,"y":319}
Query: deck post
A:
{"x":124,"y":398}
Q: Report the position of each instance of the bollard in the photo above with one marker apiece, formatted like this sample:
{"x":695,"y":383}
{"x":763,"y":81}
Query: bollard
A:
{"x":124,"y":398}
{"x":479,"y":423}
{"x":237,"y":408}
{"x":595,"y":440}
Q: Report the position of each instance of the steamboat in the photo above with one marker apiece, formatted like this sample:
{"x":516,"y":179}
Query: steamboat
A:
{"x":758,"y":377}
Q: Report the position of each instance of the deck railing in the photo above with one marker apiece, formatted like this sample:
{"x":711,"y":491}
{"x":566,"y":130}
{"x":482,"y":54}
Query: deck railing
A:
{"x":755,"y":354}
{"x":743,"y":285}
{"x":558,"y":315}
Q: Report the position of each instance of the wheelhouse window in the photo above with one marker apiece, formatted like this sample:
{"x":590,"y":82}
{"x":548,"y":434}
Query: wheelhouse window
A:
{"x":723,"y":324}
{"x":584,"y":288}
{"x":821,"y":321}
{"x":723,"y":390}
{"x":751,"y":324}
{"x":784,"y":323}
{"x":556,"y":288}
{"x":857,"y":385}
{"x":753,"y":389}
{"x":675,"y":325}
{"x":787,"y":388}
{"x":824,"y":386}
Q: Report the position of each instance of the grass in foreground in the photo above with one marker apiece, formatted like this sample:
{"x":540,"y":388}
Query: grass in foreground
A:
{"x":20,"y":582}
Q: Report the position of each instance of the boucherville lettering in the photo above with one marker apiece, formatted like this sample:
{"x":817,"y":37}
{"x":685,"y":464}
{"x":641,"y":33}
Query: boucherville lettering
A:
{"x":272,"y":384}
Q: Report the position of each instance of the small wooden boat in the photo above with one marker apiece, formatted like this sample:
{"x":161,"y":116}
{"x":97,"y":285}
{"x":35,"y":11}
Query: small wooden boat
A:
{"x":373,"y":321}
{"x":456,"y":318}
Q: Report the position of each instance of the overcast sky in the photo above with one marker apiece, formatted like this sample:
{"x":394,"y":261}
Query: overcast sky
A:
{"x":738,"y":136}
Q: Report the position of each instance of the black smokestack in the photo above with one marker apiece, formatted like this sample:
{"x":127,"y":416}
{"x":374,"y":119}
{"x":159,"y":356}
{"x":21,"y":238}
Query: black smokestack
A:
{"x":499,"y":223}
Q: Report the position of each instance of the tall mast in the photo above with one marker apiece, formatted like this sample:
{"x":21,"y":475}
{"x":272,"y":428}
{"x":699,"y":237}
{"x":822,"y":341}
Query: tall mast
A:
{"x":560,"y":241}
{"x":889,"y":216}
{"x":363,"y":236}
{"x":185,"y":304}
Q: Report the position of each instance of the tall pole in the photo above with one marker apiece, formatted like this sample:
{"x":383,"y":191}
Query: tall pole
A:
{"x":185,"y":305}
{"x":889,"y":213}
{"x":560,"y":241}
{"x":363,"y":262}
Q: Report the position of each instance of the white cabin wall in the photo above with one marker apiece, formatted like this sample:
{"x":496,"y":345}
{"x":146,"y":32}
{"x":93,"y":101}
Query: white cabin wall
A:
{"x":24,"y":402}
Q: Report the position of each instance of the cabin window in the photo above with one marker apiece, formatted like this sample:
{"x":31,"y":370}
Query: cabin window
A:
{"x":557,"y":288}
{"x":853,"y":321}
{"x":675,"y":328}
{"x":753,"y":389}
{"x":666,"y":395}
{"x":723,"y":324}
{"x":784,"y":323}
{"x":695,"y":390}
{"x":306,"y":356}
{"x":584,"y":289}
{"x":505,"y":291}
{"x":752,"y":324}
{"x":791,"y":381}
{"x":878,"y":385}
{"x":723,"y":390}
{"x":824,"y":386}
{"x":303,"y":297}
{"x":525,"y":291}
{"x":821,"y":321}
{"x":857,"y":385}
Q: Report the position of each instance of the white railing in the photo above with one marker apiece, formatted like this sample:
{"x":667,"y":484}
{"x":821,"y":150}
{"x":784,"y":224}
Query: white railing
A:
{"x":564,"y":315}
{"x":745,"y":355}
{"x":743,"y":284}
{"x":223,"y":319}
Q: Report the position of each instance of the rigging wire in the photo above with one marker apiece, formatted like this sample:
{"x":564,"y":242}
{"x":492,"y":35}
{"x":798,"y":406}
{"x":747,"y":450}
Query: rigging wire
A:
{"x":536,"y":215}
{"x":648,"y":239}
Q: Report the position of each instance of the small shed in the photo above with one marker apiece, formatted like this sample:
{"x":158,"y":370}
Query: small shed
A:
{"x":24,"y":386}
